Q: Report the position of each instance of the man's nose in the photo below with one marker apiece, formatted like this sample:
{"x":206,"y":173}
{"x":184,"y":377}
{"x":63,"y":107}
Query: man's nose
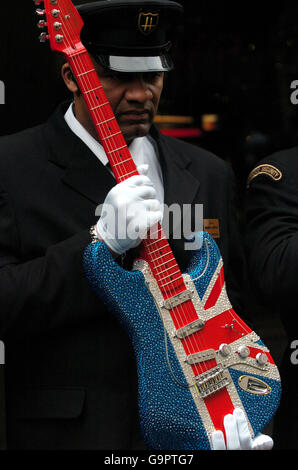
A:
{"x":138,"y":90}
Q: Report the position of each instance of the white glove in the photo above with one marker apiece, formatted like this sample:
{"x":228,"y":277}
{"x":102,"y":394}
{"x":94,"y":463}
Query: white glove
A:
{"x":130,"y":209}
{"x":238,"y":435}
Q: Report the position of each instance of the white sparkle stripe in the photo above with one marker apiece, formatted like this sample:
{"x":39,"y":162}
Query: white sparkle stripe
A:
{"x":222,"y":305}
{"x":212,"y":282}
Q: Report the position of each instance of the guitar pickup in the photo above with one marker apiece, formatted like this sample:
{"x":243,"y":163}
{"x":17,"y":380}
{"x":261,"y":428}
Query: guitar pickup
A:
{"x":189,"y":329}
{"x":201,"y":356}
{"x":178,"y":299}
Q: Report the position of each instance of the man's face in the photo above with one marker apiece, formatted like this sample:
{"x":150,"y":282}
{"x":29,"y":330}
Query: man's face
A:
{"x":134,"y":98}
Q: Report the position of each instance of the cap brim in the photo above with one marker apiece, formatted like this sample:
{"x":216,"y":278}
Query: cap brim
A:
{"x":161,"y":63}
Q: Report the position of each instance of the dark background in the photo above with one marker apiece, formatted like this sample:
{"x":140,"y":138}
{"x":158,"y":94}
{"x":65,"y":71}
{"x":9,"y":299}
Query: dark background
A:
{"x":234,"y":61}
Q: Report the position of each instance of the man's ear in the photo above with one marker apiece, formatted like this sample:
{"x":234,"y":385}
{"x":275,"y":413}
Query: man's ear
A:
{"x":69,"y":78}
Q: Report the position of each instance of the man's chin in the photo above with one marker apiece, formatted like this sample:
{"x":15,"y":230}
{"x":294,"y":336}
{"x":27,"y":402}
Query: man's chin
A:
{"x":135,"y":130}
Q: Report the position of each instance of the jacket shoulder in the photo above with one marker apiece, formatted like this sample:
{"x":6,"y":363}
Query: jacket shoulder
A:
{"x":15,"y":144}
{"x":20,"y":151}
{"x":198,"y":157}
{"x":285,"y":156}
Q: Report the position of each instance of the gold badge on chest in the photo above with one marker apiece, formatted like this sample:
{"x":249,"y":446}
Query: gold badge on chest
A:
{"x":212,"y":227}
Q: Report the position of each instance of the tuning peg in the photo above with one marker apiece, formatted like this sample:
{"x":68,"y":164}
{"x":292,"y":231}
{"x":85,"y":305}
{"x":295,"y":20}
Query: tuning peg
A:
{"x":59,"y":38}
{"x":42,"y":24}
{"x":55,"y":13}
{"x":40,"y":12}
{"x":43,"y":37}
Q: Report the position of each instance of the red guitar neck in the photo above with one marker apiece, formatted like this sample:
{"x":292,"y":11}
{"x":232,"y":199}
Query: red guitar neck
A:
{"x":102,"y":115}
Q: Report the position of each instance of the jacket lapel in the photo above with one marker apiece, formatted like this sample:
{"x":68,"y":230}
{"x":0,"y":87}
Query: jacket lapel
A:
{"x":89,"y":177}
{"x":181,"y":187}
{"x":83,"y":172}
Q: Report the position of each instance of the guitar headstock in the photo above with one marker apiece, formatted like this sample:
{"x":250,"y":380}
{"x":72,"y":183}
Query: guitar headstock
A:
{"x":63,"y":22}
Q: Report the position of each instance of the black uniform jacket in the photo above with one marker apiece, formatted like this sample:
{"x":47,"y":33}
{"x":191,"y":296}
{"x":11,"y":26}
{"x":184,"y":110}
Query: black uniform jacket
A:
{"x":272,"y":231}
{"x":272,"y":255}
{"x":70,"y":371}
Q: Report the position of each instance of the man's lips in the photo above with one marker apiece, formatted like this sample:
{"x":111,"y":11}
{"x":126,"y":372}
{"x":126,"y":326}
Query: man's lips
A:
{"x":135,"y":115}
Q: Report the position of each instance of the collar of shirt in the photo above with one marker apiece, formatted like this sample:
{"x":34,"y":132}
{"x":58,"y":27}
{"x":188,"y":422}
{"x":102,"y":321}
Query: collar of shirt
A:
{"x":135,"y":148}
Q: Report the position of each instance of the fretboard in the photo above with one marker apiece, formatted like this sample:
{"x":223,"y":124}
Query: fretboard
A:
{"x":156,"y":249}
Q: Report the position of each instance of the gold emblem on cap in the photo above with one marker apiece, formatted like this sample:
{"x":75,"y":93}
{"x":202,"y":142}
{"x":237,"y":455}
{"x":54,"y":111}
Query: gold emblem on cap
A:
{"x":148,"y":22}
{"x":268,"y":170}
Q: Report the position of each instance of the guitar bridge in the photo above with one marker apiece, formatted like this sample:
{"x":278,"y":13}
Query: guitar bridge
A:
{"x":211,"y":381}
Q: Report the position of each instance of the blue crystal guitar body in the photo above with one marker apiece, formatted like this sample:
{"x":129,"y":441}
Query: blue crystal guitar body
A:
{"x":175,"y":404}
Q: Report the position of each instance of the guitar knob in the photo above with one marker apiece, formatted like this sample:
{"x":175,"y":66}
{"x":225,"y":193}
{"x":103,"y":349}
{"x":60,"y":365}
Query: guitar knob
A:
{"x":43,"y":37}
{"x":40,"y":12}
{"x":225,"y":349}
{"x":261,"y":359}
{"x":42,"y":24}
{"x":243,"y":352}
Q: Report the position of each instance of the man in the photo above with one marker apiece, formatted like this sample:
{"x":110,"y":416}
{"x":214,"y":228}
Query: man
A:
{"x":70,"y":371}
{"x":272,"y":247}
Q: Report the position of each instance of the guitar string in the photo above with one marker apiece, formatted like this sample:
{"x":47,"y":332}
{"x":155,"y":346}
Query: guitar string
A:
{"x":175,"y":310}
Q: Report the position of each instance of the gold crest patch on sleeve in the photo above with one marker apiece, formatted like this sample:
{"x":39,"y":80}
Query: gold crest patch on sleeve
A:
{"x":268,"y":170}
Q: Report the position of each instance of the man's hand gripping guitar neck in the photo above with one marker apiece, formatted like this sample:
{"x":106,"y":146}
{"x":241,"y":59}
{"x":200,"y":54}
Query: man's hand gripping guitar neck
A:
{"x":129,"y":211}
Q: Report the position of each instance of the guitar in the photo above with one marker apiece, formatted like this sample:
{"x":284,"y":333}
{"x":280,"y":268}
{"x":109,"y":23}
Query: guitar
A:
{"x":196,"y":359}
